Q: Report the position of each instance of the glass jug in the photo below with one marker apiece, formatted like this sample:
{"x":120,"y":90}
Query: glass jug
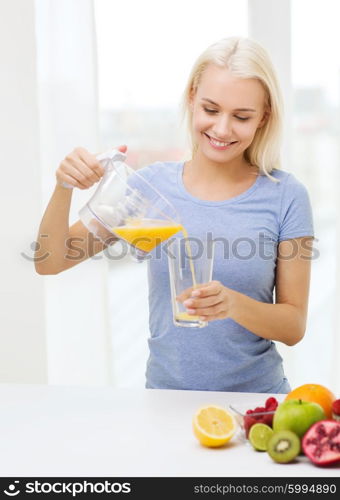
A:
{"x":126,"y":206}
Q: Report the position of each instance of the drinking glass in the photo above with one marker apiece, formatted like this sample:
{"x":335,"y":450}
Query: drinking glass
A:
{"x":190,"y":265}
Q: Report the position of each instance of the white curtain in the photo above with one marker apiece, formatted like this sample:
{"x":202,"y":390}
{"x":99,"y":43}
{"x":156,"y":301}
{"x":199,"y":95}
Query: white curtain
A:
{"x":22,"y":332}
{"x":76,"y":301}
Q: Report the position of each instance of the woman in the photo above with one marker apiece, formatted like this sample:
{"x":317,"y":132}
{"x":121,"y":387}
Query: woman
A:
{"x":233,"y":188}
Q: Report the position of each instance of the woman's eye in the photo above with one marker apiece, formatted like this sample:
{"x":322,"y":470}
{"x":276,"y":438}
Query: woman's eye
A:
{"x":214,"y":111}
{"x":207,"y":110}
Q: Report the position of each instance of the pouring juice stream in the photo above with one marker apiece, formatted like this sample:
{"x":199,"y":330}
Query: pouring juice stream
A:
{"x":184,"y":316}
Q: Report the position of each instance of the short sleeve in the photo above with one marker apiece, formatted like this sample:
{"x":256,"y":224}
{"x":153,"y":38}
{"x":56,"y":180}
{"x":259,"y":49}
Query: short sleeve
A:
{"x":296,"y":217}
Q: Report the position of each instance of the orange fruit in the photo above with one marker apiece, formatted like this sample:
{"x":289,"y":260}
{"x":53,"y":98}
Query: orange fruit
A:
{"x":316,"y":393}
{"x":213,"y":426}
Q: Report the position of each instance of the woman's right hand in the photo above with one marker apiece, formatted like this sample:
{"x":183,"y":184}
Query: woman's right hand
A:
{"x":81,"y":168}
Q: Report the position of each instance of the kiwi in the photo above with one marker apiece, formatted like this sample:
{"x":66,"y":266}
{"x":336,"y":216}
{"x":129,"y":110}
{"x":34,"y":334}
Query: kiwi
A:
{"x":284,"y":446}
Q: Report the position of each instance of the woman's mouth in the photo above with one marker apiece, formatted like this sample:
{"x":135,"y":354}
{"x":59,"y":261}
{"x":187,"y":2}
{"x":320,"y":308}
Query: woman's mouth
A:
{"x":219,"y":144}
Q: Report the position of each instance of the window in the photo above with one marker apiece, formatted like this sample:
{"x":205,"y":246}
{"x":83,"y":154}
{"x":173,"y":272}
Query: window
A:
{"x":316,"y":84}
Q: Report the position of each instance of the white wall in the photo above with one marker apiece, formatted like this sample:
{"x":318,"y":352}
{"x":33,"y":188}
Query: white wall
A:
{"x":22,"y":333}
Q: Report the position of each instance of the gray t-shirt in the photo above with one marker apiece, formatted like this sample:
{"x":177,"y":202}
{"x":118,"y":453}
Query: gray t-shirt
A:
{"x":224,"y":356}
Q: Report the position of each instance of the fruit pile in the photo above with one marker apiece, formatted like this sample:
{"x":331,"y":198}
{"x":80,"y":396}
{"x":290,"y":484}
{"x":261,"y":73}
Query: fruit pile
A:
{"x":307,"y":421}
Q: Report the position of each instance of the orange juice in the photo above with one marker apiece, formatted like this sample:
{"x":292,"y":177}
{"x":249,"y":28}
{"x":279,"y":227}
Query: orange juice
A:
{"x":184,"y":316}
{"x":188,"y":247}
{"x":146,"y":234}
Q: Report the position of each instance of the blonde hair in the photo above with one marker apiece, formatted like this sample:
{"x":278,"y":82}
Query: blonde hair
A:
{"x":244,"y":58}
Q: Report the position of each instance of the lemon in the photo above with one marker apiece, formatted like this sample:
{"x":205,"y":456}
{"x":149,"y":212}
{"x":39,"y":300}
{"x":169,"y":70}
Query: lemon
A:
{"x":259,"y":436}
{"x":213,"y":426}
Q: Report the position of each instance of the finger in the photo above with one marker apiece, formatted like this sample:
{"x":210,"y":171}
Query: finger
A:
{"x":72,"y":181}
{"x":197,"y":291}
{"x":88,"y":165}
{"x":87,"y":174}
{"x":67,"y":170}
{"x":73,"y":165}
{"x":184,"y":295}
{"x":92,"y":163}
{"x":212,"y":288}
{"x":208,"y":311}
{"x":212,"y":318}
{"x":200,"y":303}
{"x":76,"y":174}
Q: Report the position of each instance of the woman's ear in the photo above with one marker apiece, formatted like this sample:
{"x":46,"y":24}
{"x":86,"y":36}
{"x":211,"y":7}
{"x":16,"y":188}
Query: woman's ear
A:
{"x":265,"y":117}
{"x":191,"y":98}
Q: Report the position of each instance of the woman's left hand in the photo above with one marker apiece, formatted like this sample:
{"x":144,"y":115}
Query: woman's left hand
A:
{"x":209,"y":301}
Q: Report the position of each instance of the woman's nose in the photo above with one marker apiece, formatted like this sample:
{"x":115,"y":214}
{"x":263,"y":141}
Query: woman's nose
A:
{"x":223,"y":128}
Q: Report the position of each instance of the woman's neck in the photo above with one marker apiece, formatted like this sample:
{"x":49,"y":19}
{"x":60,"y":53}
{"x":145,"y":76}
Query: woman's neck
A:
{"x":233,"y":172}
{"x":216,"y":181}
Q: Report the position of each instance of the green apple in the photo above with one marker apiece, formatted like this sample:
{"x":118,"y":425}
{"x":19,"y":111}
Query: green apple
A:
{"x":297,"y":416}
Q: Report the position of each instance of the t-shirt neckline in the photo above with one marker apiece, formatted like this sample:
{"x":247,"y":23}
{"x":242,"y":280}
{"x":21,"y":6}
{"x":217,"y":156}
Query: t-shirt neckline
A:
{"x":234,"y":199}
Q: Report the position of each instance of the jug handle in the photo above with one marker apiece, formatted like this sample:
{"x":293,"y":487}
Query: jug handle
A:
{"x":112,"y":155}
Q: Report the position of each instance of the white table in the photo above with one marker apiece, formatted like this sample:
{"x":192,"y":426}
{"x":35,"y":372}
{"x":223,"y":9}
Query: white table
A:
{"x":100,"y":431}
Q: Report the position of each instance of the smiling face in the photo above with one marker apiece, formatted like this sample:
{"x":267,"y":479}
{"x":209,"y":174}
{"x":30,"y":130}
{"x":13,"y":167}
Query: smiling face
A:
{"x":226,"y":112}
